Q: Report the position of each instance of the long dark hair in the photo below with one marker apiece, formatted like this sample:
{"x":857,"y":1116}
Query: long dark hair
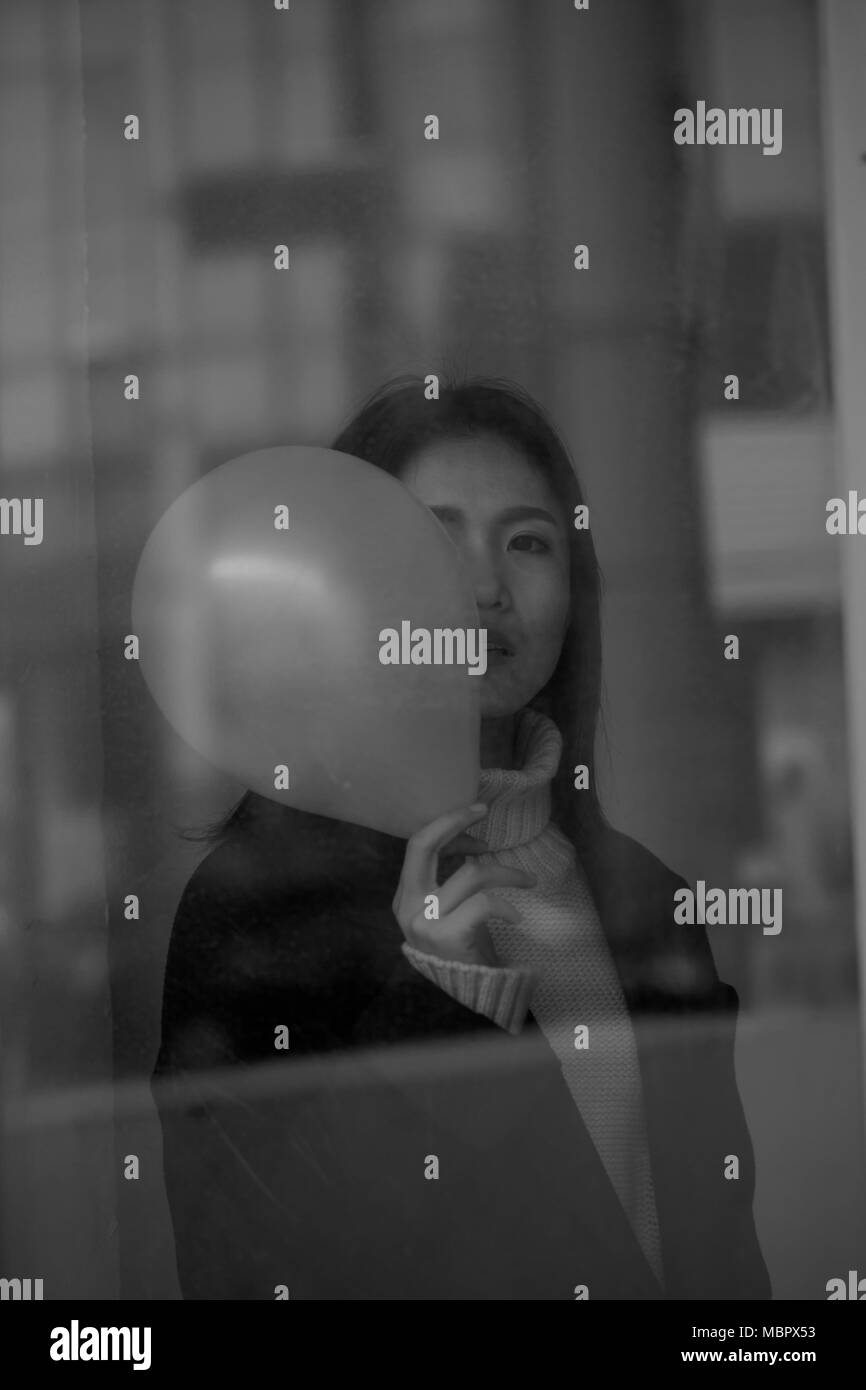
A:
{"x":396,"y":422}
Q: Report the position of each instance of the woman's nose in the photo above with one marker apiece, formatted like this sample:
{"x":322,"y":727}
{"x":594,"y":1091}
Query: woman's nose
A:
{"x":487,"y":580}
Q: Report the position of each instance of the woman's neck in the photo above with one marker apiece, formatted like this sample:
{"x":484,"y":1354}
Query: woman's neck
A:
{"x":497,"y":741}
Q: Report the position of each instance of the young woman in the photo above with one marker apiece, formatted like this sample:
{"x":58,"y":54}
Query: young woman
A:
{"x":531,"y":1096}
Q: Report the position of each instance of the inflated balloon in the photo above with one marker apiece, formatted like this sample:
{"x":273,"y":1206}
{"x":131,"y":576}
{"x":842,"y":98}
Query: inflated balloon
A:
{"x":259,"y":601}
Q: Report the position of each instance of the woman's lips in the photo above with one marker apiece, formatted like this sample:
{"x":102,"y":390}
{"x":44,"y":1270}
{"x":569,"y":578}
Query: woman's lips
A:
{"x":496,"y":642}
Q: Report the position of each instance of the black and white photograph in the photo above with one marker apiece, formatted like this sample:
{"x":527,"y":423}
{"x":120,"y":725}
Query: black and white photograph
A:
{"x":432,"y":662}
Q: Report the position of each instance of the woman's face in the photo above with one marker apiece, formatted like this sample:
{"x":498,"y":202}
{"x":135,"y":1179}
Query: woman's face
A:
{"x":507,"y":523}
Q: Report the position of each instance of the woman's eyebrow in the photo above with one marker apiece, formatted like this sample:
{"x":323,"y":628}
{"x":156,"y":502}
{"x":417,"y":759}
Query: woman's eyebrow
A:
{"x":518,"y":513}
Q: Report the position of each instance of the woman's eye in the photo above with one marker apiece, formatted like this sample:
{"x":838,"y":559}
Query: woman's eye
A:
{"x":533,"y":543}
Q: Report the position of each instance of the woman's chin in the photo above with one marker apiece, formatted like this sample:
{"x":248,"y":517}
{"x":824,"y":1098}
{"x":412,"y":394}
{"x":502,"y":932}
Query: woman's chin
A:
{"x":497,"y":702}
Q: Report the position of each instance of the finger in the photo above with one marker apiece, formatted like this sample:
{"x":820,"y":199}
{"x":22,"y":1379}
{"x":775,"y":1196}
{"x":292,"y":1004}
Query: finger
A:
{"x":422,"y":849}
{"x":484,"y":945}
{"x":473,"y":945}
{"x":473,"y":878}
{"x":480,"y":909}
{"x":464,"y":844}
{"x":463,"y":934}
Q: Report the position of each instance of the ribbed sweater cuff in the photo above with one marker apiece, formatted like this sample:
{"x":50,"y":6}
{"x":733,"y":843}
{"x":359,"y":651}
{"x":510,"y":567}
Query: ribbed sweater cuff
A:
{"x":501,"y":993}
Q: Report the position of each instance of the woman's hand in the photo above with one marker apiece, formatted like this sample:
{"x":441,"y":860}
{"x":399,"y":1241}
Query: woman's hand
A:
{"x":465,"y":900}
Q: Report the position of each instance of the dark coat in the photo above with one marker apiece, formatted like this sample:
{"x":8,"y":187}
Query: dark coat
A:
{"x":306,"y":1167}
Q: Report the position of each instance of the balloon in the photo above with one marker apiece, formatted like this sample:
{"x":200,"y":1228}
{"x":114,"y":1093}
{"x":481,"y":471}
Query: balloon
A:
{"x":259,"y":629}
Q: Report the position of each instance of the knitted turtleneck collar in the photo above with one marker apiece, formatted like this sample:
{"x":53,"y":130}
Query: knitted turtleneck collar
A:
{"x":519,"y":798}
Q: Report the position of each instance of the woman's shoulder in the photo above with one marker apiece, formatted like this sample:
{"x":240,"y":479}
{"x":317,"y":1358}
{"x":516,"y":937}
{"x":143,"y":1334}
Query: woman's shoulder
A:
{"x":264,"y":932}
{"x":629,"y":870}
{"x":289,"y":898}
{"x":636,"y":892}
{"x":285,"y":854}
